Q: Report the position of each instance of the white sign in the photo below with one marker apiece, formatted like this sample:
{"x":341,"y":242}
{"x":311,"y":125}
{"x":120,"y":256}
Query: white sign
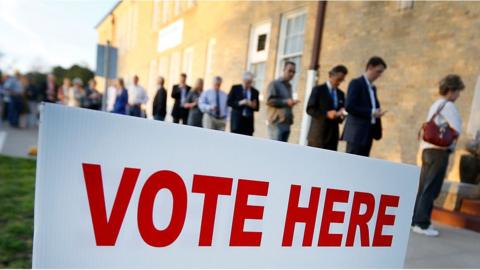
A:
{"x":170,"y":36}
{"x":116,"y":191}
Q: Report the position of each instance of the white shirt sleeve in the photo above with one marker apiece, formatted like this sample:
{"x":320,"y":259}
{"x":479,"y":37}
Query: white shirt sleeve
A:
{"x":203,"y":103}
{"x":452,"y":116}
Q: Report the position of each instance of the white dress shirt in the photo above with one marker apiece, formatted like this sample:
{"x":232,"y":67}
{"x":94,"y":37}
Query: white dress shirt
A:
{"x":137,"y":95}
{"x":372,"y":98}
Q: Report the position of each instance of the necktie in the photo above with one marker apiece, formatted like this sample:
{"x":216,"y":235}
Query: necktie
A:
{"x":217,"y":111}
{"x":334,"y":97}
{"x":246,"y":110}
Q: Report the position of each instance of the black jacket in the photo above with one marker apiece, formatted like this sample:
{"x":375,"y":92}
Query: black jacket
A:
{"x":178,"y":111}
{"x":324,"y":132}
{"x":358,"y":127}
{"x":238,"y":122}
{"x":160,"y":102}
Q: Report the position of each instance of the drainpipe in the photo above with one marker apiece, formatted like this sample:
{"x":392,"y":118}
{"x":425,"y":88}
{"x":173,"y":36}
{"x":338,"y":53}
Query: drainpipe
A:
{"x":312,"y":72}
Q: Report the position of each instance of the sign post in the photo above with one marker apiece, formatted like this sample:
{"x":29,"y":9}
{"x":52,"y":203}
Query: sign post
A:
{"x":161,"y":195}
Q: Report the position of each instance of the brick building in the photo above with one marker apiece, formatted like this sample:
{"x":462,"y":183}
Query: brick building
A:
{"x":420,"y":41}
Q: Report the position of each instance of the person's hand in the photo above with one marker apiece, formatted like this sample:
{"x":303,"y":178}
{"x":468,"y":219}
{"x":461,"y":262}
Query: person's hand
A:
{"x":213,"y":108}
{"x":253,"y":104}
{"x":292,"y":102}
{"x":379,"y":113}
{"x":243,"y":102}
{"x":332,"y":114}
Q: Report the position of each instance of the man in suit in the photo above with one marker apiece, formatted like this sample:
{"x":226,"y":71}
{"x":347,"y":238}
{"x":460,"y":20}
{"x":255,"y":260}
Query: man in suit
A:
{"x":363,"y":122}
{"x":243,"y":99}
{"x":180,"y":93}
{"x":160,"y":101}
{"x":326,"y":106}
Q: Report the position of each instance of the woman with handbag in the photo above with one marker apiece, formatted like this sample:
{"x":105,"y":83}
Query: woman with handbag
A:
{"x":438,"y":140}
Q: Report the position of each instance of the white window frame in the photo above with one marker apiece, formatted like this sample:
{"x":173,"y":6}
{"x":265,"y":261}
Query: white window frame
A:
{"x":281,"y":43}
{"x":405,"y":4}
{"x":187,"y":63}
{"x":155,"y":13}
{"x":175,"y":68}
{"x":210,"y":61}
{"x":264,"y":27}
{"x":165,"y":11}
{"x":177,"y":7}
{"x":473,"y":124}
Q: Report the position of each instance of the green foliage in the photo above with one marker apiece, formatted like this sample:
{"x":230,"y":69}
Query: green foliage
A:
{"x":17,"y":182}
{"x":73,"y":72}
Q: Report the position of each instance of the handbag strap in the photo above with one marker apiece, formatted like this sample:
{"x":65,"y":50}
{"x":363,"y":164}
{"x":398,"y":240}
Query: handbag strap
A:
{"x":438,"y":110}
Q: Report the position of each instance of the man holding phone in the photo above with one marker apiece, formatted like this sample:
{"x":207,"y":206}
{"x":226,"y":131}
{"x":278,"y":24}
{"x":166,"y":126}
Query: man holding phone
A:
{"x":363,"y":123}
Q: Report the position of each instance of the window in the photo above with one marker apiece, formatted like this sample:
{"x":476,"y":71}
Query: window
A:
{"x":177,"y":4}
{"x":291,"y":43}
{"x":155,"y":14}
{"x":209,"y":62}
{"x":163,"y":67}
{"x":188,"y":62}
{"x":405,"y":4}
{"x":258,"y":53}
{"x":261,"y":42}
{"x":258,"y":69}
{"x":174,"y":68}
{"x":191,"y":3}
{"x":165,"y":11}
{"x":473,"y":125}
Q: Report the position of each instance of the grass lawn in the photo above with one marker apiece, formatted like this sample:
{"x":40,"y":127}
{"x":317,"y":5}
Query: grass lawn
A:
{"x":17,"y":185}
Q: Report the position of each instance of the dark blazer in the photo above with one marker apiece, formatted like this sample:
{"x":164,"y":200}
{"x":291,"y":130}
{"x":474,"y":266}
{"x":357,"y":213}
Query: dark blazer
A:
{"x":324,"y":132}
{"x":160,"y":102}
{"x":178,"y":111}
{"x":358,"y":127}
{"x":238,"y":122}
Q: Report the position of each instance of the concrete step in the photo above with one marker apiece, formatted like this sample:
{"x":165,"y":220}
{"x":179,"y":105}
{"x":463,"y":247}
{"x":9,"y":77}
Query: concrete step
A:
{"x":470,"y":207}
{"x":456,"y":219}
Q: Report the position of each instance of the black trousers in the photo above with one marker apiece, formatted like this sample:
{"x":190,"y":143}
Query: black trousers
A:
{"x":434,"y":168}
{"x":360,"y":149}
{"x":329,"y":145}
{"x":244,"y":126}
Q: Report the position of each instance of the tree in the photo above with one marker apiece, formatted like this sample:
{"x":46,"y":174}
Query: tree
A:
{"x":73,"y":72}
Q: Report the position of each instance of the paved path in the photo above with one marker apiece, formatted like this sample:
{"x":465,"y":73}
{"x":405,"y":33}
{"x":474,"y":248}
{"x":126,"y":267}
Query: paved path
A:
{"x":16,"y":142}
{"x":454,"y":248}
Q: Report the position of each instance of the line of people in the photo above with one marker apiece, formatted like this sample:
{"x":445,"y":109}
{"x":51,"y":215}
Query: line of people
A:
{"x":360,"y":109}
{"x":194,"y":106}
{"x":20,"y":97}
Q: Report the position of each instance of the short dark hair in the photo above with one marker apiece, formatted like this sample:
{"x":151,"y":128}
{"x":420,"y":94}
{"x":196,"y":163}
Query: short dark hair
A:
{"x":121,"y":82}
{"x":450,"y":83}
{"x":376,"y":61}
{"x":288,"y":62}
{"x":184,"y":75}
{"x":338,"y":69}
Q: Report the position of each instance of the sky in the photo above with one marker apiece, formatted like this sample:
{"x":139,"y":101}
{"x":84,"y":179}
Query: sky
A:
{"x":39,"y":34}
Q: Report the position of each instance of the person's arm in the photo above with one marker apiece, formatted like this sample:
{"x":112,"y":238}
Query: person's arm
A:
{"x":314,"y":108}
{"x":274,"y":99}
{"x":352,"y":103}
{"x":155,"y":102}
{"x":203,"y":103}
{"x":231,"y":100}
{"x":144,"y":96}
{"x":124,"y":98}
{"x":452,"y":116}
{"x":176,"y":92}
{"x":255,"y":99}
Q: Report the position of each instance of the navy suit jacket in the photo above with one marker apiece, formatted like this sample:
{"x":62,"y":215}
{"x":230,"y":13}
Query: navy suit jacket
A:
{"x":236,"y":95}
{"x":323,"y":130}
{"x":358,"y":127}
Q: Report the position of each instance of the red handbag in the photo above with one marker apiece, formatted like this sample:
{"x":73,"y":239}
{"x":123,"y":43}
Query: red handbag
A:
{"x":442,"y":135}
